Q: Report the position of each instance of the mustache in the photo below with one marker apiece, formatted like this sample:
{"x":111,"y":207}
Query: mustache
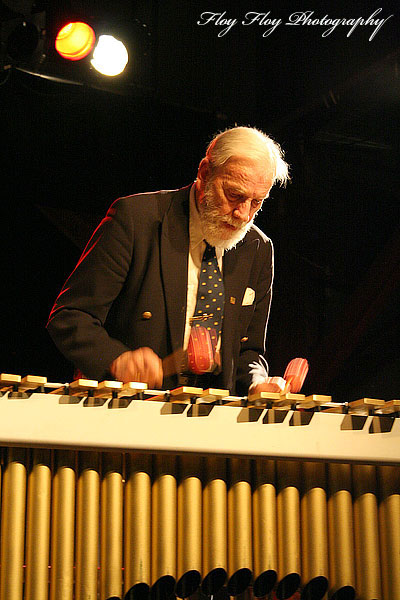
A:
{"x":237,"y":223}
{"x":213,"y":211}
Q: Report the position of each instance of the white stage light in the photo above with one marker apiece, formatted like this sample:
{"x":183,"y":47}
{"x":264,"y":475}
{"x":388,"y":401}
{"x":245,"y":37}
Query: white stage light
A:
{"x":110,"y":56}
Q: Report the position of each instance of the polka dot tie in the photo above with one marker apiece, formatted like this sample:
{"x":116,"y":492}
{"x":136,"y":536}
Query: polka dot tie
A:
{"x":209,"y":311}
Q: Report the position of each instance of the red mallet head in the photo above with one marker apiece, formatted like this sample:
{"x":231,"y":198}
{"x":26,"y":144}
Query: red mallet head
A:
{"x":295,"y":374}
{"x":200,"y":350}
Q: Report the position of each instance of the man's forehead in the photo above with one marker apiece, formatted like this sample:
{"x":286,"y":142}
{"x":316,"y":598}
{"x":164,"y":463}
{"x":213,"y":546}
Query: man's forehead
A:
{"x":246,"y":170}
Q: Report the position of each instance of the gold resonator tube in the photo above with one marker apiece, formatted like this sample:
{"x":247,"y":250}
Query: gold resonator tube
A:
{"x":85,"y":525}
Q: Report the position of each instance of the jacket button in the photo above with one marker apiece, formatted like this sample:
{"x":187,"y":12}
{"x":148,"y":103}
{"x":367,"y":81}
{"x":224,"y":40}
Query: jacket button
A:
{"x":244,"y":339}
{"x":146,"y":315}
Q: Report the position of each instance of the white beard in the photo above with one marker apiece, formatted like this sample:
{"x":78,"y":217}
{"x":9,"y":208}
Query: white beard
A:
{"x":213,"y":223}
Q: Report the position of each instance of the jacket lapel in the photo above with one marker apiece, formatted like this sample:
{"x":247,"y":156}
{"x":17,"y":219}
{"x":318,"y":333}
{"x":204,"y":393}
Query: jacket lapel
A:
{"x":236,"y":271}
{"x":174,"y":264}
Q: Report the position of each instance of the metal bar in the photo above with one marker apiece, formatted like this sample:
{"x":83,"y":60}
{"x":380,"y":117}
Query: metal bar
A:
{"x":288,"y":504}
{"x":341,"y":531}
{"x":137,"y":526}
{"x":240,"y":559}
{"x":389,"y":522}
{"x":214,"y":525}
{"x":264,"y":528}
{"x":111,"y":526}
{"x":13,"y":525}
{"x":163,"y":560}
{"x":189,"y":526}
{"x":368,"y":571}
{"x":38,"y":526}
{"x":87,"y":526}
{"x":63,"y":526}
{"x":314,"y":530}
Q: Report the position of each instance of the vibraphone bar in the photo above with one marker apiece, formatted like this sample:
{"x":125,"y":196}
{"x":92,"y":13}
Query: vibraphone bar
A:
{"x":173,"y":511}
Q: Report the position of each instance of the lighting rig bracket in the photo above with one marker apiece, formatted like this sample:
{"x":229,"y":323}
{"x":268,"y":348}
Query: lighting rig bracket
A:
{"x":22,"y":35}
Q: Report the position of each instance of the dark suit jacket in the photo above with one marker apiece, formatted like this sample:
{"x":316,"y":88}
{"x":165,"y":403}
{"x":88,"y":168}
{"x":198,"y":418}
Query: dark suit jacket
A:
{"x":136,"y":262}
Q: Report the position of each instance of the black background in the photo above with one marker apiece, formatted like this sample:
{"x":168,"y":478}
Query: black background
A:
{"x":332,"y":102}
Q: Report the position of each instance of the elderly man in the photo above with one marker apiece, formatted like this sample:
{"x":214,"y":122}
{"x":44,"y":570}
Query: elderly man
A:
{"x":137,"y":291}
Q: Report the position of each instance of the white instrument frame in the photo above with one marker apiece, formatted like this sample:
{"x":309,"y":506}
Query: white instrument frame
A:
{"x":41,"y":420}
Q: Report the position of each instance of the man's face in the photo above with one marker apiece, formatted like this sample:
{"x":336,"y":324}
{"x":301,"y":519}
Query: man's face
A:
{"x":229,"y":200}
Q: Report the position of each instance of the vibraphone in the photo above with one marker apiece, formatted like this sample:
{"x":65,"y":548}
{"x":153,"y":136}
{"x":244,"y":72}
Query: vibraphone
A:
{"x":127,"y":493}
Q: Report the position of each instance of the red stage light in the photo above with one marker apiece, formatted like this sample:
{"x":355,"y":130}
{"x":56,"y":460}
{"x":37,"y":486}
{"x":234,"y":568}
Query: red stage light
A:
{"x":75,"y":41}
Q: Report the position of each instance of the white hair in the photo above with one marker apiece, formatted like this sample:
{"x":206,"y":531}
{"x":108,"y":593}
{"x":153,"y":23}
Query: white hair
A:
{"x":248,"y":142}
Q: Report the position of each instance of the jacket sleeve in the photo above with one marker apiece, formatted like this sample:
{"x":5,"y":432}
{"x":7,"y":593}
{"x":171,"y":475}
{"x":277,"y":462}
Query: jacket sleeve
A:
{"x":253,"y":336}
{"x":76,"y":322}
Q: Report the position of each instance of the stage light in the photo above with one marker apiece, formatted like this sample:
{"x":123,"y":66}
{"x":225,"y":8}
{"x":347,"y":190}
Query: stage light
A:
{"x":75,"y":45}
{"x":110,"y":56}
{"x":75,"y":41}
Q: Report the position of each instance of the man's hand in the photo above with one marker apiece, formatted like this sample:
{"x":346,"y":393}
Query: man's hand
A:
{"x":271,"y":384}
{"x":138,"y":365}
